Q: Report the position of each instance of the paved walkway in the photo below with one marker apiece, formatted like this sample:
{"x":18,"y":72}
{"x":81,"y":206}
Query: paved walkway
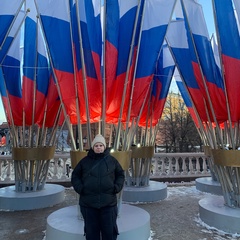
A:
{"x":174,"y":218}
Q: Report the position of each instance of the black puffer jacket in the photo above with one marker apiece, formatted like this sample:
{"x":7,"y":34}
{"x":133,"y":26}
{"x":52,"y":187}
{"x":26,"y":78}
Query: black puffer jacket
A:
{"x":98,"y":185}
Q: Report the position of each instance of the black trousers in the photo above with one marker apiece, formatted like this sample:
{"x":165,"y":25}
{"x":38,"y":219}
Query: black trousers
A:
{"x":100,"y":224}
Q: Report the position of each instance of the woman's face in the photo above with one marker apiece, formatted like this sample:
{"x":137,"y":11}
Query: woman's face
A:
{"x":98,"y":148}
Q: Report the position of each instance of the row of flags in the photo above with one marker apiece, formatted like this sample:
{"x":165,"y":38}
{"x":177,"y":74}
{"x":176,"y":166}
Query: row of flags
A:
{"x":209,"y":74}
{"x":93,"y":54}
{"x":26,"y":80}
{"x":111,"y":62}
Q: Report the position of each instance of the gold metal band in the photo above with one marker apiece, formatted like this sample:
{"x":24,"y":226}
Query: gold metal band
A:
{"x":229,"y":158}
{"x":38,"y":153}
{"x":207,"y":151}
{"x":143,"y":152}
{"x":123,"y":158}
{"x":76,"y":156}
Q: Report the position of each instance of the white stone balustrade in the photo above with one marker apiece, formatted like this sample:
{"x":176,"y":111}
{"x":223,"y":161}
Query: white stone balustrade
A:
{"x":164,"y":165}
{"x":177,"y":165}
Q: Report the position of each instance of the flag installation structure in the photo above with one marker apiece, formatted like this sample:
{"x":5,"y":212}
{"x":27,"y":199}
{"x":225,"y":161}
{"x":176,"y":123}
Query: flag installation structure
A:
{"x":226,"y":157}
{"x":32,"y":115}
{"x":212,"y":84}
{"x":105,"y":63}
{"x":101,"y":73}
{"x":149,"y":39}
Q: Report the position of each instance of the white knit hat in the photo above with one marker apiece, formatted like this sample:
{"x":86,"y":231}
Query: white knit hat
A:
{"x":99,"y":139}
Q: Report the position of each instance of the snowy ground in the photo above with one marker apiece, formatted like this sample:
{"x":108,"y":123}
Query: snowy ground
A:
{"x":177,"y":216}
{"x":174,"y":218}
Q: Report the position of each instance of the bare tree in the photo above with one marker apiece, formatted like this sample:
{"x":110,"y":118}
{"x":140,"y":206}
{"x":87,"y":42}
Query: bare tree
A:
{"x":177,"y":129}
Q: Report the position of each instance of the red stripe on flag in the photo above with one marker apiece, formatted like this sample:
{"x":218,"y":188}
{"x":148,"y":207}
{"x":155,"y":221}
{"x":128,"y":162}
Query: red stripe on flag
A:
{"x":193,"y":115}
{"x":17,"y":109}
{"x":68,"y":93}
{"x":94,"y":90}
{"x":217,"y":97}
{"x":198,"y":100}
{"x":141,"y":87}
{"x":232,"y":73}
{"x":111,"y":66}
{"x":27,"y":98}
{"x":115,"y":95}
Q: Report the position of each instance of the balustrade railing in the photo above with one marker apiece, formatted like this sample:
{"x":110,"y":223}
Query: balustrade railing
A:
{"x":164,"y":165}
{"x":179,"y":165}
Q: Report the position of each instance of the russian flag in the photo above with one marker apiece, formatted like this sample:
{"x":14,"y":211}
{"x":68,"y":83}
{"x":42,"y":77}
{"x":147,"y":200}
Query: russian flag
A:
{"x":121,"y":16}
{"x":55,"y":18}
{"x":8,"y":12}
{"x":212,"y":77}
{"x":186,"y":99}
{"x":216,"y":52}
{"x":35,"y":69}
{"x":163,"y":78}
{"x":177,"y":40}
{"x":161,"y":83}
{"x":157,"y":15}
{"x":230,"y":46}
{"x":5,"y":45}
{"x":112,"y":17}
{"x":7,"y":107}
{"x":53,"y":105}
{"x":91,"y":33}
{"x":12,"y":81}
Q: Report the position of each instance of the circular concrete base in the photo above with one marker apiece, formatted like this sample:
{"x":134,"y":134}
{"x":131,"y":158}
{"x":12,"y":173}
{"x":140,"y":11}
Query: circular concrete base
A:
{"x":133,"y":223}
{"x":156,"y":191}
{"x":214,"y":213}
{"x":11,"y":200}
{"x":207,"y":184}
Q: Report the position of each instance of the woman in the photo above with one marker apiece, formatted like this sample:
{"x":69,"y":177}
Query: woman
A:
{"x":98,"y":178}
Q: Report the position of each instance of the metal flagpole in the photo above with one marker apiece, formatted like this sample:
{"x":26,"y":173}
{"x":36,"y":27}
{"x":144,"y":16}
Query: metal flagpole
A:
{"x":57,"y":84}
{"x":16,"y":33}
{"x":155,"y":132}
{"x":116,"y":144}
{"x":13,"y":130}
{"x":135,"y":70}
{"x":13,"y":22}
{"x":223,"y":74}
{"x":151,"y":127}
{"x":153,"y":135}
{"x":190,"y":97}
{"x":55,"y":126}
{"x":103,"y":117}
{"x":84,"y":75}
{"x":9,"y":115}
{"x":202,"y":75}
{"x":43,"y":124}
{"x":110,"y":137}
{"x":35,"y":81}
{"x":148,"y":115}
{"x":138,"y":118}
{"x":210,"y":125}
{"x":79,"y":127}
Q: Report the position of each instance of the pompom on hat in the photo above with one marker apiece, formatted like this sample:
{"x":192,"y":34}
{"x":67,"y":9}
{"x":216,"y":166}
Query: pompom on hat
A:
{"x":99,"y":139}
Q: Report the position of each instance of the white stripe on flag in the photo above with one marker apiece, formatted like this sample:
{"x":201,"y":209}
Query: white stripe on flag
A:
{"x":196,"y":18}
{"x":176,"y":34}
{"x":157,"y":13}
{"x":167,"y":57}
{"x":8,"y":8}
{"x":54,"y":8}
{"x":125,"y":6}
